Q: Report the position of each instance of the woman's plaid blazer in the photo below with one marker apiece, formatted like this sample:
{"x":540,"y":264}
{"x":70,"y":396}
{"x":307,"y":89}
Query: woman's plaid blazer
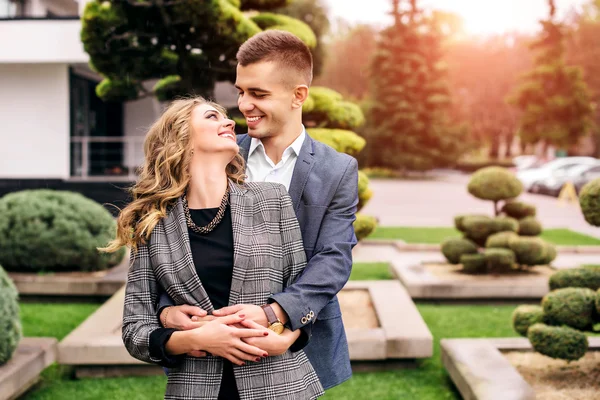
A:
{"x":268,"y":256}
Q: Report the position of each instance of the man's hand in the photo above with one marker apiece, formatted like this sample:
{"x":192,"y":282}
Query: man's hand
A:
{"x":273,"y":343}
{"x":180,"y":317}
{"x":253,"y":312}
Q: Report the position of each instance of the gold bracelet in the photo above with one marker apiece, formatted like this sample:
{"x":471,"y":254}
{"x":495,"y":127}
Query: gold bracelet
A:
{"x":165,"y":319}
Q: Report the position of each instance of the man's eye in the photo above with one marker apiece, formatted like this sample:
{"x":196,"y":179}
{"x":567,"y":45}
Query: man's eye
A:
{"x":259,"y":96}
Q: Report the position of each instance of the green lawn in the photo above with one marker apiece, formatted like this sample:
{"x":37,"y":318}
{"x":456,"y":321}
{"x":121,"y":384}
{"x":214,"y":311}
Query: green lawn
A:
{"x":371,"y":272}
{"x":435,"y":235}
{"x":427,"y":382}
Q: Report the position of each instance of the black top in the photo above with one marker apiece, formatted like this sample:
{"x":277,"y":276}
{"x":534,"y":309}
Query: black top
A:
{"x":213,"y":258}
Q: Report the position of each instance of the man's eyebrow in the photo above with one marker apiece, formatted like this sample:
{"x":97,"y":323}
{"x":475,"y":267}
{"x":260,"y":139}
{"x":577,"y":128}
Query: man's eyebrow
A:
{"x":253,"y":89}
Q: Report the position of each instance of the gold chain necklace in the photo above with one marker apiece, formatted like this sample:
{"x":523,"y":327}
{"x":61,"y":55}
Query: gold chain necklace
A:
{"x":212,"y":224}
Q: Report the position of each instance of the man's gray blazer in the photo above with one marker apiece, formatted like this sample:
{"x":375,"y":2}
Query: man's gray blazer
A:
{"x":324,"y":191}
{"x":268,"y":256}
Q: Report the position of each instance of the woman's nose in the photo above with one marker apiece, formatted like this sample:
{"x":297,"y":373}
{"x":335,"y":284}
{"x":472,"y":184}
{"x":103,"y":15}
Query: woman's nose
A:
{"x":229,"y":123}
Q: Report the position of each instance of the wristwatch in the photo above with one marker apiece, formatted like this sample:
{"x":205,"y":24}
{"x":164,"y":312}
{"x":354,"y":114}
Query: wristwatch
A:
{"x":274,"y":323}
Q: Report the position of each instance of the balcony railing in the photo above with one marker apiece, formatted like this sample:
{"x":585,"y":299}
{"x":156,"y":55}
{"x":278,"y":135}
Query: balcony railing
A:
{"x":106,"y":158}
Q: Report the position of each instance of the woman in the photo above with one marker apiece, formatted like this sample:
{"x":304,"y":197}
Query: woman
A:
{"x":211,"y":240}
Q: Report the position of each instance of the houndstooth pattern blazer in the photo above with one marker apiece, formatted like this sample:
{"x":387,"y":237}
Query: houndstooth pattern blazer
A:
{"x":268,"y":256}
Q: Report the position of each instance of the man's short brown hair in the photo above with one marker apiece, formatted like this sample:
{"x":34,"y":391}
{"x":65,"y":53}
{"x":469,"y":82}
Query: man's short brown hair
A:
{"x":281,"y":47}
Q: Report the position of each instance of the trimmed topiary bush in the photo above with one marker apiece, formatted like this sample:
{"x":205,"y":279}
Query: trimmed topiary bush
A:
{"x":589,"y":200}
{"x":529,"y":226}
{"x":529,"y":250}
{"x":577,"y":278}
{"x":499,"y":260}
{"x":495,"y":184}
{"x":478,"y":228}
{"x":473,"y":263}
{"x":47,"y":230}
{"x":558,"y":342}
{"x":505,"y":224}
{"x":525,"y":316}
{"x":500,"y":240}
{"x":518,"y":209}
{"x":364,"y":225}
{"x":574,"y":307}
{"x":454,"y":248}
{"x":364,"y":192}
{"x":10,"y":325}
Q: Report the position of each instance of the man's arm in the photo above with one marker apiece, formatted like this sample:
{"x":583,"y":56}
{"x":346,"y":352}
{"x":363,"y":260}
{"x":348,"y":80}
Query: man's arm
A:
{"x":329,"y":269}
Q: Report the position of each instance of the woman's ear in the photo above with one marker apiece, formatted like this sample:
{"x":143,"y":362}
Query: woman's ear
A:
{"x":300,"y":96}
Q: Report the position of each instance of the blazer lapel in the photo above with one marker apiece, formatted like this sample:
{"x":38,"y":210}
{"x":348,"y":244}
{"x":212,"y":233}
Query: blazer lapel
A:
{"x":188,"y":284}
{"x":304,"y":165}
{"x":244,"y":144}
{"x":241,"y":223}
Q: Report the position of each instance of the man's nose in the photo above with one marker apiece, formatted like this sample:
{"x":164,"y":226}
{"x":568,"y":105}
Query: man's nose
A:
{"x":244,"y":104}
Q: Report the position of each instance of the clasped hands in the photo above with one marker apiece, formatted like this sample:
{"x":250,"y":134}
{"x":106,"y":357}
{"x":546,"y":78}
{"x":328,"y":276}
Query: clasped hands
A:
{"x":237,"y":333}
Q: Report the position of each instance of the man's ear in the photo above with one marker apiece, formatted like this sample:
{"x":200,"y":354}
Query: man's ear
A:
{"x":300,"y":96}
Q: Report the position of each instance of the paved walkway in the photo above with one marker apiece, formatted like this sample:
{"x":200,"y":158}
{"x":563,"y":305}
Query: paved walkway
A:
{"x":435,"y":203}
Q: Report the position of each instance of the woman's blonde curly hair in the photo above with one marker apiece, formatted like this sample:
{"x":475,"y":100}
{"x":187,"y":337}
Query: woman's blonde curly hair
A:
{"x":164,"y":176}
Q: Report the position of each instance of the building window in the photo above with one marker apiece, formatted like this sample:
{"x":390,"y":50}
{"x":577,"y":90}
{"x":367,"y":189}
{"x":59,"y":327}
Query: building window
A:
{"x":98,"y":147}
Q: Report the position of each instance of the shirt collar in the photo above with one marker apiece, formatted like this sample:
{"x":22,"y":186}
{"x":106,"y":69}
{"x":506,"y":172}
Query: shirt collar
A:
{"x":296,"y":145}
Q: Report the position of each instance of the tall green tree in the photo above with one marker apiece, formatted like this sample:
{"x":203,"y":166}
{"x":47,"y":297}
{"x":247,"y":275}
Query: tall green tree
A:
{"x":187,"y":45}
{"x":411,"y":129}
{"x":314,"y":14}
{"x":553,"y":97}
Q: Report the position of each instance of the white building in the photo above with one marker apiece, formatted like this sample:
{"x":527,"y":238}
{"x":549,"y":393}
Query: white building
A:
{"x":54,"y":131}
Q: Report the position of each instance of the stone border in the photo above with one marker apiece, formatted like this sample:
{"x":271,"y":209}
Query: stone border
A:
{"x":421,"y":284}
{"x":402,"y":333}
{"x":403,"y":246}
{"x":480,"y":371}
{"x":23,"y":370}
{"x":99,"y":283}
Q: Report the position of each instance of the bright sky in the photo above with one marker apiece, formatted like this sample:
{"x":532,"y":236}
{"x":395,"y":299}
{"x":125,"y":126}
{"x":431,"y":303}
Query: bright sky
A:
{"x":479,"y":16}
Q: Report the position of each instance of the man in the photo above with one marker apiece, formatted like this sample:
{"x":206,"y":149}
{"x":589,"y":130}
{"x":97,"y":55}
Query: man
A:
{"x":274,"y":73}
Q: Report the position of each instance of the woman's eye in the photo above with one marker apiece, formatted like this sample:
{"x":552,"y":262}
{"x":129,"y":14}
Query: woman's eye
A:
{"x":213,"y":115}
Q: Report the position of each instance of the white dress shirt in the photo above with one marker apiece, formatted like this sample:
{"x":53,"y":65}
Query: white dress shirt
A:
{"x":260,"y":168}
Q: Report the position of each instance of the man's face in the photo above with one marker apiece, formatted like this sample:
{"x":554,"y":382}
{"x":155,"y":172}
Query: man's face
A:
{"x":264,"y":98}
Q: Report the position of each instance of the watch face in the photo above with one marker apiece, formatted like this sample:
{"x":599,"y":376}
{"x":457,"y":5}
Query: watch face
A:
{"x":277,"y":327}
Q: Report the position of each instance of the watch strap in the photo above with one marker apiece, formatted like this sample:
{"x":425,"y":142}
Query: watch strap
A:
{"x":271,"y":316}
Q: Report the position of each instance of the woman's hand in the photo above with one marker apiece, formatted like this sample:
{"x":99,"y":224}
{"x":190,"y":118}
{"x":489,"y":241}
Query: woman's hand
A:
{"x":272,"y":343}
{"x":221,"y":339}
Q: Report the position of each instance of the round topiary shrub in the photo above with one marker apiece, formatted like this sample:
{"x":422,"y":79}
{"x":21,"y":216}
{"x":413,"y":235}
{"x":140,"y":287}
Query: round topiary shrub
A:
{"x":494,"y":183}
{"x":518,"y":209}
{"x":364,"y":225}
{"x":530,"y":226}
{"x":505,"y":224}
{"x":598,"y":302}
{"x":454,"y":248}
{"x":10,"y":324}
{"x":550,"y":254}
{"x":364,"y":192}
{"x":473,"y":263}
{"x":529,"y":250}
{"x":500,"y":240}
{"x":47,"y":230}
{"x":499,"y":260}
{"x":577,"y":278}
{"x":458,"y":220}
{"x":525,"y":316}
{"x":478,"y":228}
{"x":589,"y":199}
{"x":574,"y":307}
{"x":558,"y":342}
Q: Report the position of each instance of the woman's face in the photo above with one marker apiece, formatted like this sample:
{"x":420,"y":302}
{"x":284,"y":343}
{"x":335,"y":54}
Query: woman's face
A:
{"x":212,"y":133}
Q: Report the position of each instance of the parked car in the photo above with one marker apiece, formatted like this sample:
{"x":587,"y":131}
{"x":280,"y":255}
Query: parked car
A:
{"x":526,"y":162}
{"x":531,"y":178}
{"x":578,"y":175}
